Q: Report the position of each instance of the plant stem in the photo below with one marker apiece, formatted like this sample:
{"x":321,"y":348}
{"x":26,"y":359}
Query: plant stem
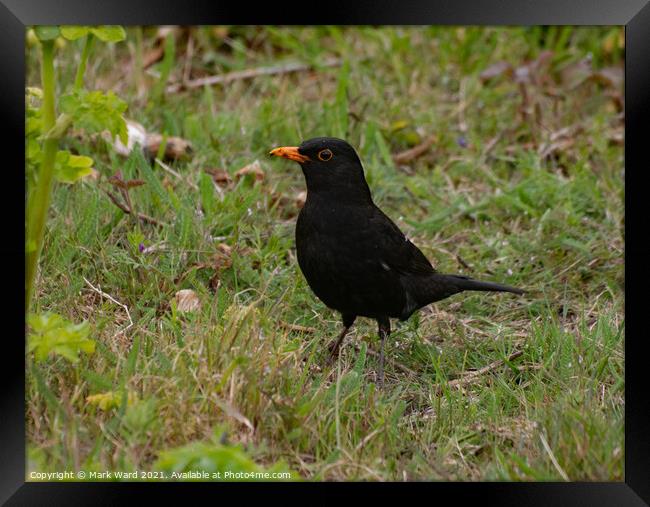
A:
{"x":39,"y":200}
{"x":81,"y":70}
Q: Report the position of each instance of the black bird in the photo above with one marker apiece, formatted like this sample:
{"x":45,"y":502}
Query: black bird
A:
{"x":355,"y":259}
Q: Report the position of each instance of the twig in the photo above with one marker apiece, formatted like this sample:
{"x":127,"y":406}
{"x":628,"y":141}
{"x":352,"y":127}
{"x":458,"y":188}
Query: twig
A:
{"x":111,"y":298}
{"x":248,"y":74}
{"x":297,"y":327}
{"x":126,"y":210}
{"x":471,"y":376}
{"x":408,"y":155}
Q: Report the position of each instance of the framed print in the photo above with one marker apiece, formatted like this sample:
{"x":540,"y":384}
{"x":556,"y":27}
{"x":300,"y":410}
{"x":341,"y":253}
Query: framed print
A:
{"x":401,"y":247}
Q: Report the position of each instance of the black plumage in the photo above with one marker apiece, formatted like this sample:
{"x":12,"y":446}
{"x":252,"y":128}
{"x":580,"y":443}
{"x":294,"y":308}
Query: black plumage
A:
{"x":354,"y":258}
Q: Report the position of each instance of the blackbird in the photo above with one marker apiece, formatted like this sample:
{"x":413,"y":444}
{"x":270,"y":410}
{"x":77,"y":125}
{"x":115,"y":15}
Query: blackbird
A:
{"x":355,"y":259}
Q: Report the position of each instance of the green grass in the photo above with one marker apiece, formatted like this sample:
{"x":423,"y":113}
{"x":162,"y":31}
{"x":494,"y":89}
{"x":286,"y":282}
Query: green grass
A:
{"x":488,"y":205}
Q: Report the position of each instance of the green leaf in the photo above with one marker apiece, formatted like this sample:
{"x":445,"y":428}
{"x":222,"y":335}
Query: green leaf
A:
{"x":111,"y":399}
{"x":109,"y":33}
{"x":52,"y":334}
{"x":34,"y":123}
{"x":33,"y":150}
{"x":217,"y":457}
{"x":96,"y":111}
{"x":70,"y":168}
{"x":71,"y":32}
{"x":45,"y":33}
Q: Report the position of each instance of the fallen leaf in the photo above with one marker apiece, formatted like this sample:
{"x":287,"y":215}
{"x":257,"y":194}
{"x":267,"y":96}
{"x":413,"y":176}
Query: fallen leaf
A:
{"x":223,"y":257}
{"x":254,"y":169}
{"x":220,"y":177}
{"x":176,"y":148}
{"x":187,"y":301}
{"x":137,"y":134}
{"x":225,"y":248}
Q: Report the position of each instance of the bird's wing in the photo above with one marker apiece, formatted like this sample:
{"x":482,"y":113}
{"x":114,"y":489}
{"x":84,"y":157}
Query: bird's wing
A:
{"x":396,"y":250}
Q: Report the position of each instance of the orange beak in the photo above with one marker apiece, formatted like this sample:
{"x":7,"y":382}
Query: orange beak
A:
{"x":290,"y":152}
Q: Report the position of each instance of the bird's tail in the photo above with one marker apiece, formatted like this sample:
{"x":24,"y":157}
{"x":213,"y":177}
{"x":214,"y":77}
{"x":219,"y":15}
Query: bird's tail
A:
{"x":426,"y":290}
{"x":466,"y":283}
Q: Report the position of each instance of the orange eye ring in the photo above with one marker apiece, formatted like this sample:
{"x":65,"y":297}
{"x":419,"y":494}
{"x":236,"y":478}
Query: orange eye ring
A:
{"x":325,"y":155}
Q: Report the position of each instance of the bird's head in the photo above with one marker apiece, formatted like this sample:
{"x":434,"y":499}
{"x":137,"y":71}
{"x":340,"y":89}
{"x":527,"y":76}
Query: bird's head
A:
{"x":331,"y":167}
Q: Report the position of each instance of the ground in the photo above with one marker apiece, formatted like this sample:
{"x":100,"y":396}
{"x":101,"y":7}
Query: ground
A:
{"x":516,"y":177}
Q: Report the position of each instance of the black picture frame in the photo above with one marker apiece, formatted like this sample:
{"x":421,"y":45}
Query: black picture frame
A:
{"x":633,"y":14}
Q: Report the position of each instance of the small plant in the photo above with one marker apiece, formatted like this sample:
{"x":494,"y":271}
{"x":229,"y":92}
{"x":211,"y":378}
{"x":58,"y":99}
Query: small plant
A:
{"x":93,"y":111}
{"x":111,"y":399}
{"x":52,"y":334}
{"x":219,"y":460}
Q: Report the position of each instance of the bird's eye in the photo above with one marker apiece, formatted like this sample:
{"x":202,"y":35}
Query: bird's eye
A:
{"x":324,"y":155}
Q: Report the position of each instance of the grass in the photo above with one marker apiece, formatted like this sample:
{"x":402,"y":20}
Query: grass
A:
{"x":485,"y":200}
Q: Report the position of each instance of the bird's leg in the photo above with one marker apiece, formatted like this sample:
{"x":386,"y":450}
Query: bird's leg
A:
{"x":334,"y":346}
{"x":384,"y":331}
{"x":348,"y":320}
